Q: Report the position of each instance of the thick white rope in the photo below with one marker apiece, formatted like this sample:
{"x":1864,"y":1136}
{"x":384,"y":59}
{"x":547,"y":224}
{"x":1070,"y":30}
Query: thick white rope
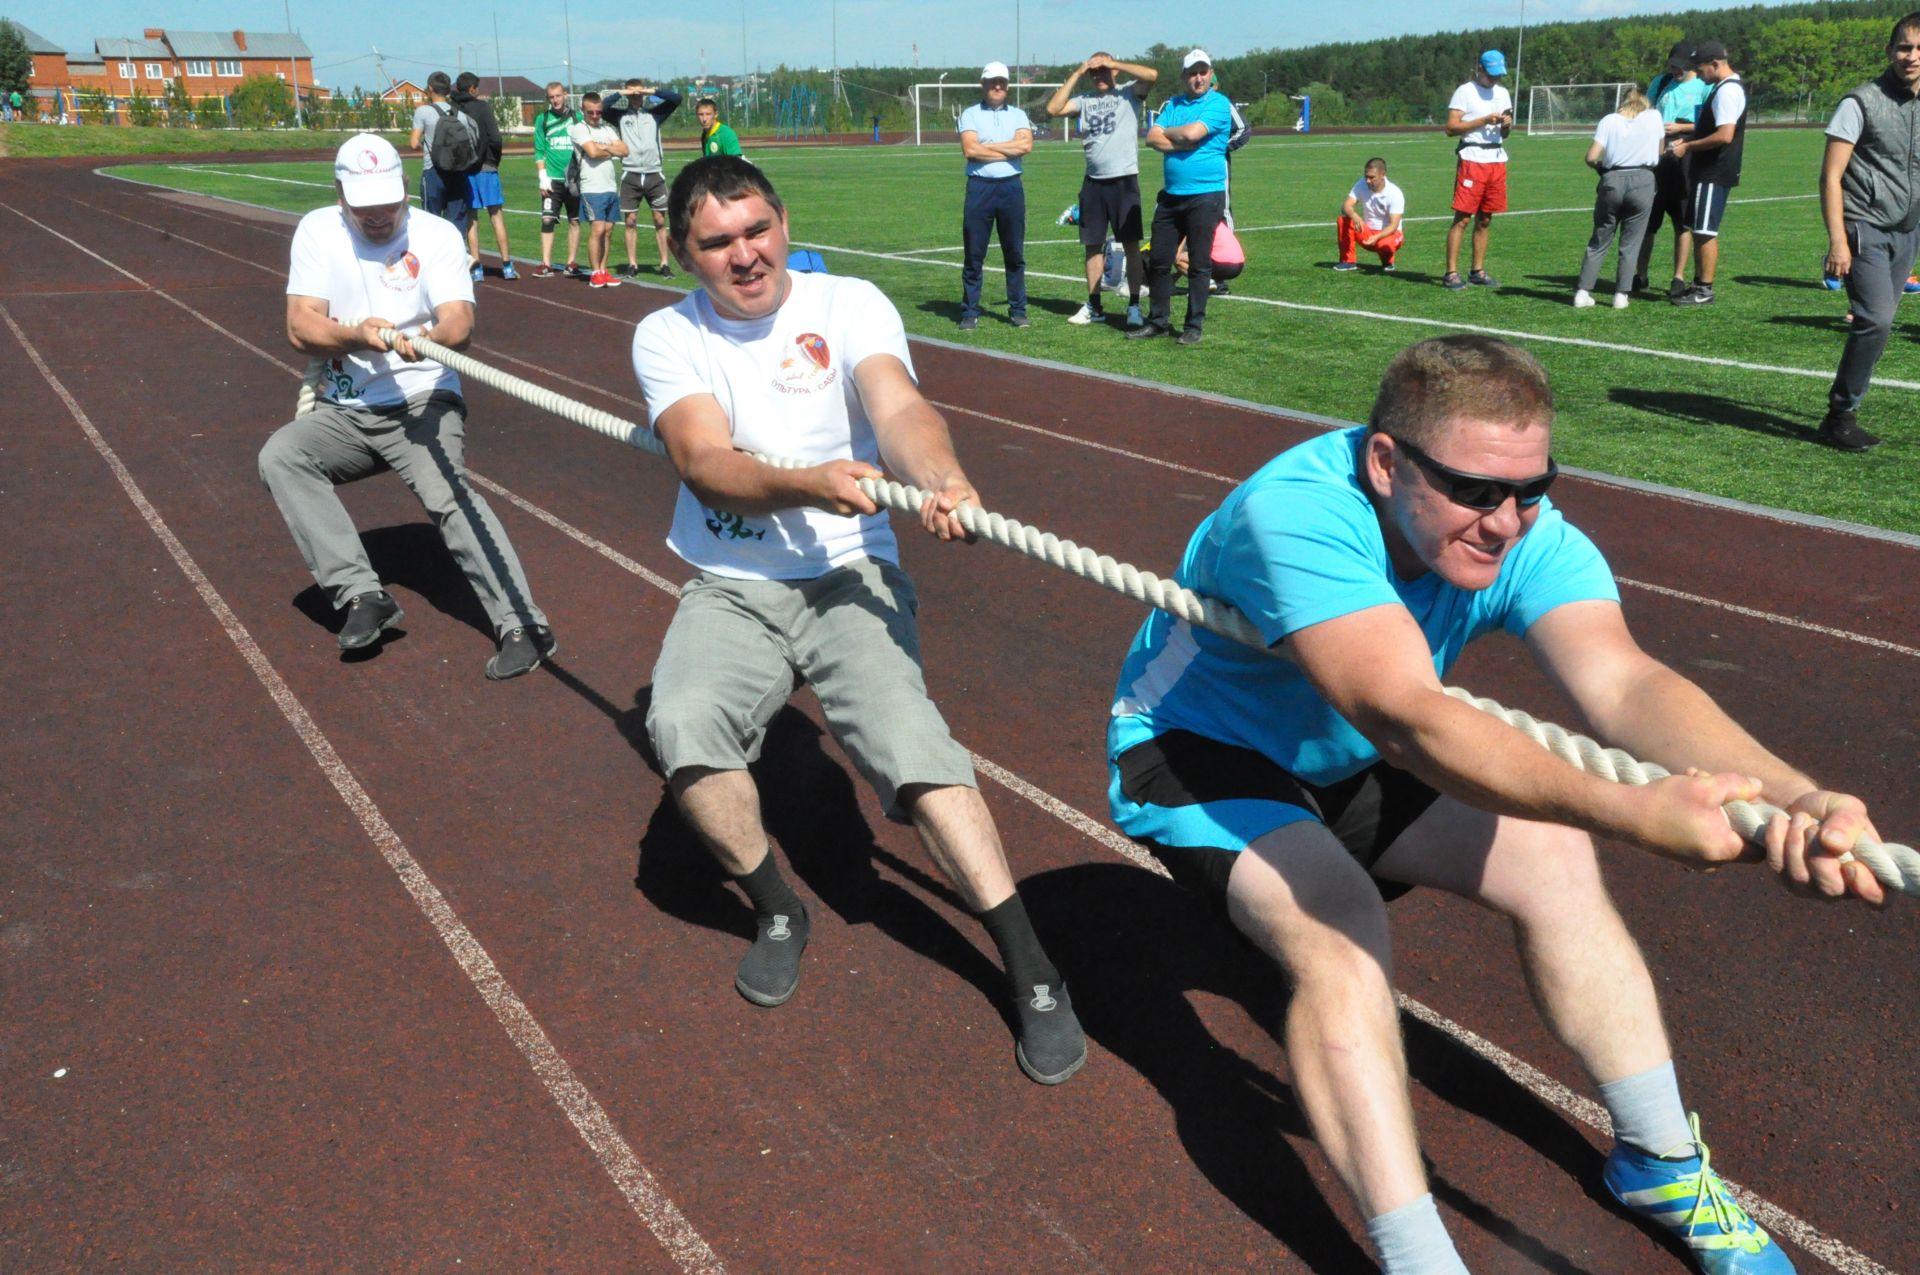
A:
{"x":1896,"y":867}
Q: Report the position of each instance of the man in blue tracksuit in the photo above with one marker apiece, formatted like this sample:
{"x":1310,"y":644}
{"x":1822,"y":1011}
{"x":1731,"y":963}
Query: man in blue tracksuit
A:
{"x":994,"y":136}
{"x":1191,"y":132}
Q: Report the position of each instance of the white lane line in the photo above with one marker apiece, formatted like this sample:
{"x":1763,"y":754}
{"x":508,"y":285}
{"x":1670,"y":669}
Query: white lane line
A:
{"x":284,"y":181}
{"x":641,"y":1189}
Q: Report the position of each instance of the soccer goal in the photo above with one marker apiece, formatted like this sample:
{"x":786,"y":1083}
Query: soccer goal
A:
{"x":935,"y":115}
{"x":1559,"y":109}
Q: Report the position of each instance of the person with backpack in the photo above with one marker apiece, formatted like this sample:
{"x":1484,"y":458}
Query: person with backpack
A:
{"x":445,"y":155}
{"x":552,"y":158}
{"x":483,"y":181}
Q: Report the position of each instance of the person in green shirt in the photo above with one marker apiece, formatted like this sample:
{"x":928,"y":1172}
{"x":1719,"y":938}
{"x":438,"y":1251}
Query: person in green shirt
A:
{"x":552,"y":152}
{"x":14,"y":103}
{"x":715,"y":138}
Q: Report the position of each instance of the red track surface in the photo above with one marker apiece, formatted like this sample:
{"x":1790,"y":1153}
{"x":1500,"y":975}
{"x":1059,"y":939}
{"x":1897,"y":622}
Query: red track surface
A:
{"x":272,"y":1060}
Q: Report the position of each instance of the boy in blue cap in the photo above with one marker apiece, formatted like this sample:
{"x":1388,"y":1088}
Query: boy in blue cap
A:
{"x":1480,"y":116}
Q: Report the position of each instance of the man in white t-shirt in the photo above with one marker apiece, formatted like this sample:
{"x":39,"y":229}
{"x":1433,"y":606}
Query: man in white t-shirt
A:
{"x":597,"y":144}
{"x":365,"y":265}
{"x":1370,"y":218}
{"x":1480,"y":116}
{"x":799,"y":577}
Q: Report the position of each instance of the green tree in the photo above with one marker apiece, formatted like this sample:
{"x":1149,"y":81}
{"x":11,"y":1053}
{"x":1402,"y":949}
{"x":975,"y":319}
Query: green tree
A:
{"x":1638,"y":51}
{"x":1794,"y":56}
{"x":15,"y":60}
{"x":142,"y":111}
{"x":179,"y":104}
{"x":262,"y":101}
{"x":1330,"y":105}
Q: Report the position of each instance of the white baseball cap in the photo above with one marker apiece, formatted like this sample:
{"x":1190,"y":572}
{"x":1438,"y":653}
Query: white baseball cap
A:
{"x":995,"y":71}
{"x":368,"y":170}
{"x":1196,"y":58}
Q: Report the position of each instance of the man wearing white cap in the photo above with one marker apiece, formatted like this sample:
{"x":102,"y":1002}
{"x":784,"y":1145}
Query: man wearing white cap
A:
{"x":994,"y":135}
{"x":360,"y":267}
{"x":1191,"y":133}
{"x":1480,"y":116}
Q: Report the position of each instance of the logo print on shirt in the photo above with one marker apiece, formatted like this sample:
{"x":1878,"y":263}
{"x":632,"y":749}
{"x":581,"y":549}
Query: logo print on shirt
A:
{"x":402,"y":272}
{"x":807,"y":367}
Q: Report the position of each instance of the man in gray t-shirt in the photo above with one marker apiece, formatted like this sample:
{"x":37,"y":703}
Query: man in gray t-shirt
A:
{"x":442,"y":194}
{"x":1110,"y":192}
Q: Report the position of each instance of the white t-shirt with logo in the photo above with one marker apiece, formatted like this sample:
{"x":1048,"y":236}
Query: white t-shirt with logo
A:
{"x":787,"y":387}
{"x":423,"y":266}
{"x":1486,"y":144}
{"x":597,"y":176}
{"x":1377,"y":208}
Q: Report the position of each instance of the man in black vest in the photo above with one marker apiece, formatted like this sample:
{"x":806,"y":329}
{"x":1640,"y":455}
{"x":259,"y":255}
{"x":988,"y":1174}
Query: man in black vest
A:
{"x":1712,"y":155}
{"x":1870,"y":199}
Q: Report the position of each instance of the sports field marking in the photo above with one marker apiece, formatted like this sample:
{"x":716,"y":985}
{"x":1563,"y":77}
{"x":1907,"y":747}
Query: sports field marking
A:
{"x":641,"y":1189}
{"x":1343,"y":312}
{"x":1836,"y":1253}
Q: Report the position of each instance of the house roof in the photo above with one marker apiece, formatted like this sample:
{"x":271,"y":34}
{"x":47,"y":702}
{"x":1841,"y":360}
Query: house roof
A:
{"x":113,"y":49}
{"x":219,"y":44}
{"x":35,"y":43}
{"x":510,"y":86}
{"x":400,"y":87}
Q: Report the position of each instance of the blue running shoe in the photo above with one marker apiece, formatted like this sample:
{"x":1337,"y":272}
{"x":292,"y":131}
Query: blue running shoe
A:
{"x":1688,"y":1198}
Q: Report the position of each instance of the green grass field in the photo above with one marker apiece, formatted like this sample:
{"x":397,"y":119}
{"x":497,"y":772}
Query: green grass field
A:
{"x":1627,"y":405}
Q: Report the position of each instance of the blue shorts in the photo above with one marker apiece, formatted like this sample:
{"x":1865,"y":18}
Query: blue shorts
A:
{"x":601,"y":205}
{"x":437,"y":197}
{"x":483,"y":191}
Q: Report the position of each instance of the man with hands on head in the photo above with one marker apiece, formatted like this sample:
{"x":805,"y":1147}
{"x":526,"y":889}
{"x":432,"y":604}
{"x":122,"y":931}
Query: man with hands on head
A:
{"x":1298,"y":790}
{"x":799,"y":577}
{"x":361,"y":267}
{"x":1110,"y":192}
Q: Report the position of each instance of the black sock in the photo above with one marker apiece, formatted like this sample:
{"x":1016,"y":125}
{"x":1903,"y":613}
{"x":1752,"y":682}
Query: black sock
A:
{"x":1026,"y":963}
{"x":768,"y":891}
{"x":1093,"y":299}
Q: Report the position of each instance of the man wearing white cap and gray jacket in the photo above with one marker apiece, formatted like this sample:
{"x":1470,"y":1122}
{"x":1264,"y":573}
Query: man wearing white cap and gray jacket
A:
{"x":994,"y":136}
{"x":364,"y":265}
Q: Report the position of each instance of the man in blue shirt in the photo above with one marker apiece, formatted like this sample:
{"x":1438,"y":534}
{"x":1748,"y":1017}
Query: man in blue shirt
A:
{"x":994,"y":135}
{"x":1296,"y":788}
{"x":1191,"y":132}
{"x":1676,"y":93}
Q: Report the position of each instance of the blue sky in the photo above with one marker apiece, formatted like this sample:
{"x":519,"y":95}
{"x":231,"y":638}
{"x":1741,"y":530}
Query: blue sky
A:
{"x":676,"y":41}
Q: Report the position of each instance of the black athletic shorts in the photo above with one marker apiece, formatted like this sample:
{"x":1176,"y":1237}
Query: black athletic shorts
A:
{"x":1366,"y":812}
{"x":553,"y":200}
{"x":1109,"y":205}
{"x":1706,"y":205}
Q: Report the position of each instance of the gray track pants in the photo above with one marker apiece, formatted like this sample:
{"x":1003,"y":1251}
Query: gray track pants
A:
{"x":1623,"y":201}
{"x":424,"y":443}
{"x":1882,"y":261}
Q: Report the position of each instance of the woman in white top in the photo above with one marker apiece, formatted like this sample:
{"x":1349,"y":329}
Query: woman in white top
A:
{"x":1626,"y":146}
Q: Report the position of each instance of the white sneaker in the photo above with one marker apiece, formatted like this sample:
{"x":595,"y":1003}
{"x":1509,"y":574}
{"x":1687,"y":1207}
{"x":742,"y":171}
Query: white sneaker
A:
{"x":1619,"y":300}
{"x":1082,"y":317}
{"x":1583,"y":300}
{"x":1134,"y":318}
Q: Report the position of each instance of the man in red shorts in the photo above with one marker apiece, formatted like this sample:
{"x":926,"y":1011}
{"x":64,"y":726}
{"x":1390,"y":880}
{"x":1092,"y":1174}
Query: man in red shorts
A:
{"x":1480,"y":116}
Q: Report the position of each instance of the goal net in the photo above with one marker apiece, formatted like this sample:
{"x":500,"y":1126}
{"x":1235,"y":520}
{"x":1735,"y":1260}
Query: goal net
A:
{"x":937,"y":107}
{"x":1571,"y":108}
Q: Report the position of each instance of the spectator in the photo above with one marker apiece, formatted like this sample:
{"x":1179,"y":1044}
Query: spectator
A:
{"x":363,"y":266}
{"x":1626,"y":147}
{"x":715,"y":138}
{"x":1370,"y":218}
{"x":444,"y":194}
{"x":644,"y":177}
{"x":1870,"y":200}
{"x":1190,"y":132}
{"x":13,"y":104}
{"x":483,"y":183}
{"x":1712,"y":151}
{"x":1110,"y":192}
{"x":552,"y":156}
{"x":1481,"y":116}
{"x":1676,"y":94}
{"x":994,"y":136}
{"x":598,"y":145}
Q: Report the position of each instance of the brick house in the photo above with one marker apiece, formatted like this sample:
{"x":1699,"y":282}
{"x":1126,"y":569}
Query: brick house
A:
{"x":47,"y":71}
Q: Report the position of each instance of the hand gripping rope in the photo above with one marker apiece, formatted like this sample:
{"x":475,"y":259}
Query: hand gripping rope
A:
{"x":1896,"y":867}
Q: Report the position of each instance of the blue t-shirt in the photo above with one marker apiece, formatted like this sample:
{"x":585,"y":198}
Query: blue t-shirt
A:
{"x":991,"y":125}
{"x":1297,"y":544}
{"x":1678,"y":101}
{"x":1203,"y":168}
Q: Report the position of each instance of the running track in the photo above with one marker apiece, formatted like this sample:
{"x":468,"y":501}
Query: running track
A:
{"x":378,"y":965}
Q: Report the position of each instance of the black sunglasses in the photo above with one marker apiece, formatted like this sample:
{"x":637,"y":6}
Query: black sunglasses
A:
{"x":1478,"y":491}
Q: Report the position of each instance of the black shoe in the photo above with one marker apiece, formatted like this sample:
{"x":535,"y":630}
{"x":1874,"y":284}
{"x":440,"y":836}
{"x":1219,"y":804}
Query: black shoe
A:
{"x":1677,"y":289}
{"x":1218,"y":289}
{"x":1148,"y":329}
{"x":666,"y":271}
{"x":1839,"y":429}
{"x":368,"y":616}
{"x":1453,"y":282}
{"x":521,"y":651}
{"x":770,"y":971}
{"x":1482,"y":278}
{"x":1051,"y":1046}
{"x":969,"y":324}
{"x":1020,"y":320}
{"x":1698,"y":294}
{"x":1639,"y":283}
{"x":1189,"y":336}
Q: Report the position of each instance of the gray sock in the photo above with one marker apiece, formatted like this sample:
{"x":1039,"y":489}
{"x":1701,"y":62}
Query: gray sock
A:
{"x":1412,"y":1241}
{"x":1647,"y":1112}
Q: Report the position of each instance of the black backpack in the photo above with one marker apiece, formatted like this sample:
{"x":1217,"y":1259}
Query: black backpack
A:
{"x":453,"y":149}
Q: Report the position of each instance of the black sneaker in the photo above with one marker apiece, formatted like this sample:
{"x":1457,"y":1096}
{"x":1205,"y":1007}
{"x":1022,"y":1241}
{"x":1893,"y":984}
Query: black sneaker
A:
{"x":1189,"y":336}
{"x":1839,"y":429}
{"x":1050,"y":1046}
{"x":1218,"y":289}
{"x":1698,"y":294}
{"x":1677,"y":289}
{"x":969,"y":324}
{"x":1453,"y":282}
{"x":521,"y":651}
{"x":1483,"y":279}
{"x":368,"y":616}
{"x":1146,"y":330}
{"x":1020,"y":320}
{"x":770,"y":971}
{"x":1639,"y":283}
{"x":666,"y":271}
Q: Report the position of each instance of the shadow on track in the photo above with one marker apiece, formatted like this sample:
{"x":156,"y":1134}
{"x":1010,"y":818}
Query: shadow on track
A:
{"x":413,"y":558}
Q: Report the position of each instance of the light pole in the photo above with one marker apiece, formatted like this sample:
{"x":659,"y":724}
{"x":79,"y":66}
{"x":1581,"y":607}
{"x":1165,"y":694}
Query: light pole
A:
{"x":1016,"y":41}
{"x":566,"y":20}
{"x":293,"y":64}
{"x":499,"y":77}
